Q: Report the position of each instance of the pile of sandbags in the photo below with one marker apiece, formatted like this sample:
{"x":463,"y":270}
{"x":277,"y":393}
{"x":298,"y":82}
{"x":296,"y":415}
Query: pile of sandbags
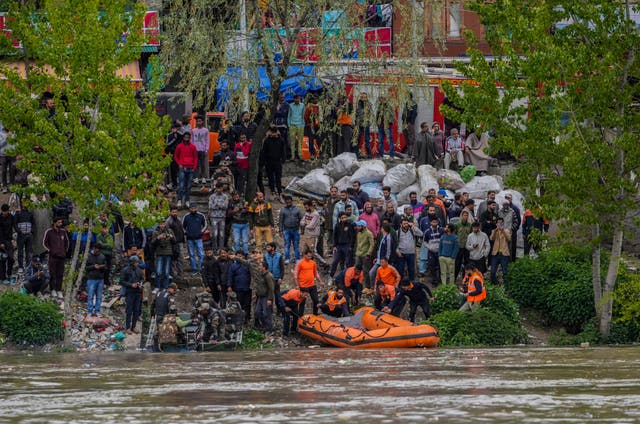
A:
{"x":316,"y":181}
{"x":400,"y":177}
{"x":342,"y":165}
{"x":427,"y":179}
{"x":478,"y":187}
{"x":370,"y":171}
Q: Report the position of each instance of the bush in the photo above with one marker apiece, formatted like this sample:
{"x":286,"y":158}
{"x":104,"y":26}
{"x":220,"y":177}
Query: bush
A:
{"x":26,"y":319}
{"x":557,"y":283}
{"x":446,"y":297}
{"x":590,"y":334}
{"x":571,"y":304}
{"x":498,"y":300}
{"x":253,"y":339}
{"x":484,"y":327}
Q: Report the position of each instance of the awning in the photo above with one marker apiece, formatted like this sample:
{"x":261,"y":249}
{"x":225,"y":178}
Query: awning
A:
{"x":130,"y":71}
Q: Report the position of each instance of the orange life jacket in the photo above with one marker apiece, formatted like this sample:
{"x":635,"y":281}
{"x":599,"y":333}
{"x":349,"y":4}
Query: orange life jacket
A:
{"x":333,"y":301}
{"x":470,"y":286}
{"x":387,"y":292}
{"x":293,"y":294}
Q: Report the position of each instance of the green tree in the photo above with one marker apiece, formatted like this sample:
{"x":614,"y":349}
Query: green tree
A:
{"x":203,"y":39}
{"x":561,"y":95}
{"x":103,"y":140}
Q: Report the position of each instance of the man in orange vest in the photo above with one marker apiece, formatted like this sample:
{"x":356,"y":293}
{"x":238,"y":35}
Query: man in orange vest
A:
{"x":473,"y":289}
{"x":291,"y":304}
{"x":305,"y":276}
{"x":334,"y":304}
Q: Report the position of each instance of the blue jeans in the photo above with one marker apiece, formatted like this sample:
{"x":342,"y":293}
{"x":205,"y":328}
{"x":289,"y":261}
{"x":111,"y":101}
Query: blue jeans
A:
{"x":367,"y":139}
{"x":503,"y":261}
{"x":195,"y":248}
{"x":240,"y":234}
{"x":408,"y":259}
{"x":163,"y":270}
{"x":381,"y":133}
{"x":292,"y":237}
{"x":94,"y":290}
{"x":185,"y":178}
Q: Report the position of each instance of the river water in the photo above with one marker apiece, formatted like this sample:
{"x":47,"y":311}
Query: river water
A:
{"x":528,"y":385}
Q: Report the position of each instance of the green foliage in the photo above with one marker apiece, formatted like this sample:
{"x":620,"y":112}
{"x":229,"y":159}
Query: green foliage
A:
{"x":253,"y":339}
{"x":570,"y":303}
{"x":446,"y":297}
{"x":589,"y":334}
{"x":558,"y":283}
{"x":626,"y":304}
{"x":483,"y":327}
{"x":26,"y":319}
{"x":102,"y":140}
{"x":498,"y":301}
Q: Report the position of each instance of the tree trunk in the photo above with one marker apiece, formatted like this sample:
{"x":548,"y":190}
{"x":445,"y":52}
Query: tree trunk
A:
{"x":68,"y":282}
{"x":610,"y":283}
{"x":595,"y":269}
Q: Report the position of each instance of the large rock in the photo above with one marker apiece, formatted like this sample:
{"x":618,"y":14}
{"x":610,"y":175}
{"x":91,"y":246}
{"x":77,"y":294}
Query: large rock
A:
{"x":400,"y":177}
{"x":342,"y":165}
{"x":370,"y":171}
{"x":316,"y":181}
{"x":427,"y":179}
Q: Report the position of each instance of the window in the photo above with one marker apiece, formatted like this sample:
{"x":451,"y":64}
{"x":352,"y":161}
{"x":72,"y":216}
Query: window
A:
{"x":443,"y":19}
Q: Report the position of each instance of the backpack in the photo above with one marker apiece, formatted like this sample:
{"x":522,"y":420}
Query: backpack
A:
{"x":168,"y":330}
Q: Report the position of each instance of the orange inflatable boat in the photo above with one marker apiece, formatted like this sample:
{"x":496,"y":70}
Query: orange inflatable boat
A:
{"x":367,"y":328}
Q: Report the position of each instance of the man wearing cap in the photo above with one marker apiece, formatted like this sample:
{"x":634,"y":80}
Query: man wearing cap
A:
{"x":194,"y":224}
{"x":163,"y":301}
{"x":96,"y":265}
{"x":131,"y":278}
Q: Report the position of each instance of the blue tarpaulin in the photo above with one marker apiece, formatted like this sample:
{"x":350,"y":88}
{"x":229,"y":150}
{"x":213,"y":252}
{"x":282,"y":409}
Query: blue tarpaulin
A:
{"x":301,"y":79}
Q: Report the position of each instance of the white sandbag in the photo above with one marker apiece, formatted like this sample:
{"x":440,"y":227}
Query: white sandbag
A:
{"x":343,"y":183}
{"x":370,"y":171}
{"x":400,"y":177}
{"x":316,"y":181}
{"x":341,"y":165}
{"x":478,"y":187}
{"x":374,"y":190}
{"x":449,"y":179}
{"x":429,"y":170}
{"x":427,"y":180}
{"x":403,"y":196}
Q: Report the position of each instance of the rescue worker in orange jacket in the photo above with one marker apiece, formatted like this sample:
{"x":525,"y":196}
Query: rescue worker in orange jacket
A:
{"x":335,"y":304}
{"x":473,"y":289}
{"x":350,"y":280}
{"x":385,"y":294}
{"x":291,"y":304}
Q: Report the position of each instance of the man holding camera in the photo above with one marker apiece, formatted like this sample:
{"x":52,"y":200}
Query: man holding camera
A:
{"x":500,"y":254}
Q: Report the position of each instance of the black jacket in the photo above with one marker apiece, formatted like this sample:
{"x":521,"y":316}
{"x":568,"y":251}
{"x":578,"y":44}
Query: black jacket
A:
{"x":92,"y":272}
{"x":344,"y":233}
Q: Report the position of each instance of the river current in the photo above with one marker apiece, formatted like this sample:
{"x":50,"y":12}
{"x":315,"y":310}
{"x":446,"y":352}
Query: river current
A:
{"x":524,"y":385}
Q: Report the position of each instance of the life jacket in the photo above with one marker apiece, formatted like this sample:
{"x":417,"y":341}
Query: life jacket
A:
{"x":387,"y":292}
{"x":333,"y":301}
{"x":168,"y":330}
{"x":470,"y":286}
{"x":293,"y":295}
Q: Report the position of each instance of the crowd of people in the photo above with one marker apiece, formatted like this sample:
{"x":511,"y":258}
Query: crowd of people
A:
{"x":362,"y":246}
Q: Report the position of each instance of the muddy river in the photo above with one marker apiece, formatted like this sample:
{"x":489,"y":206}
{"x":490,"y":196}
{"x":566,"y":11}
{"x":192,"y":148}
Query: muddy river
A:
{"x":528,"y":385}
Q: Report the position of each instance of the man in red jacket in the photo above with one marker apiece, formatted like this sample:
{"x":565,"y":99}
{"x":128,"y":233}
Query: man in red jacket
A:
{"x":186,"y":156}
{"x":242,"y":150}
